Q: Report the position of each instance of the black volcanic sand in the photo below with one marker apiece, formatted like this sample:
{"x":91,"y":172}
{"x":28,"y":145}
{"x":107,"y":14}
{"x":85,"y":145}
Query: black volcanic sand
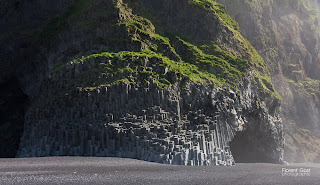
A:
{"x":92,"y":170}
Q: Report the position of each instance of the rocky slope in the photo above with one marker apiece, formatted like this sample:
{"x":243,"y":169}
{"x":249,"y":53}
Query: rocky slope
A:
{"x":286,"y":35}
{"x":155,"y":80}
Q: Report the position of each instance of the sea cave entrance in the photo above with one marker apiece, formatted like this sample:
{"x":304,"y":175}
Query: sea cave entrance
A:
{"x":13,"y":104}
{"x":247,"y":147}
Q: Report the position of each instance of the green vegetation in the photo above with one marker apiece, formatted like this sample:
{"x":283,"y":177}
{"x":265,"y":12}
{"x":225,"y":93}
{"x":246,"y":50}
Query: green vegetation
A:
{"x":304,"y":131}
{"x":137,"y":68}
{"x":313,"y":14}
{"x":208,"y":66}
{"x":143,"y":31}
{"x":167,"y":60}
{"x":265,"y":83}
{"x":308,"y":86}
{"x":212,"y":59}
{"x":312,"y":86}
{"x":219,"y":11}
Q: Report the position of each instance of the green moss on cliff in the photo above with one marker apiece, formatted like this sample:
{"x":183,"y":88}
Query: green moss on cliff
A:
{"x":217,"y":67}
{"x":225,"y":67}
{"x":312,"y":12}
{"x":256,"y":61}
{"x":219,"y":11}
{"x":308,"y":86}
{"x":265,"y":83}
{"x":137,"y":68}
{"x":169,"y":59}
{"x":312,"y":86}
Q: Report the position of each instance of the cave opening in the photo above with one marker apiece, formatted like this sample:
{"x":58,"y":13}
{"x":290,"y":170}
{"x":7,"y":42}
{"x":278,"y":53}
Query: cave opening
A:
{"x":13,"y":105}
{"x":247,"y":147}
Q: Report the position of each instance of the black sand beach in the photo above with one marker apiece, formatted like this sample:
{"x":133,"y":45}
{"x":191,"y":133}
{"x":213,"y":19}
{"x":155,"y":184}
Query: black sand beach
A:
{"x":88,"y":170}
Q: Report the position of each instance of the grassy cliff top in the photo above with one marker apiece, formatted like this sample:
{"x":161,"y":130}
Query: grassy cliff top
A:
{"x":172,"y":54}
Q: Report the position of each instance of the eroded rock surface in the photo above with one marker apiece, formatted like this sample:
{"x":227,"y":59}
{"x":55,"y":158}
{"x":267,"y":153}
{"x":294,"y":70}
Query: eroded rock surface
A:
{"x":286,"y":35}
{"x":154,"y":80}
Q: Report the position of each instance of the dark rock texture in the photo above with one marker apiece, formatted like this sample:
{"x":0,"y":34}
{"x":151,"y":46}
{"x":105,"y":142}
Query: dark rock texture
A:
{"x":151,"y":95}
{"x":192,"y":127}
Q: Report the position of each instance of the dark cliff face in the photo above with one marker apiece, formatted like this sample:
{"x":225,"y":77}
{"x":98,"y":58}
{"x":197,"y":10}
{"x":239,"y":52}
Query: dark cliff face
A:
{"x":20,"y":69}
{"x":115,"y":78}
{"x":286,"y":35}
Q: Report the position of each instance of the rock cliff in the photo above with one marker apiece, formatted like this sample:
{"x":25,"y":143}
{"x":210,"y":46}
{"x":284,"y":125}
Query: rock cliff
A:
{"x":164,"y":81}
{"x":286,"y":35}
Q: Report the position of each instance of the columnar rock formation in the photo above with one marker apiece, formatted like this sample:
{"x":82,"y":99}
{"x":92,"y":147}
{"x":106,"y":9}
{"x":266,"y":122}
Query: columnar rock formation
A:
{"x":167,"y":81}
{"x":160,"y":124}
{"x":109,"y":122}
